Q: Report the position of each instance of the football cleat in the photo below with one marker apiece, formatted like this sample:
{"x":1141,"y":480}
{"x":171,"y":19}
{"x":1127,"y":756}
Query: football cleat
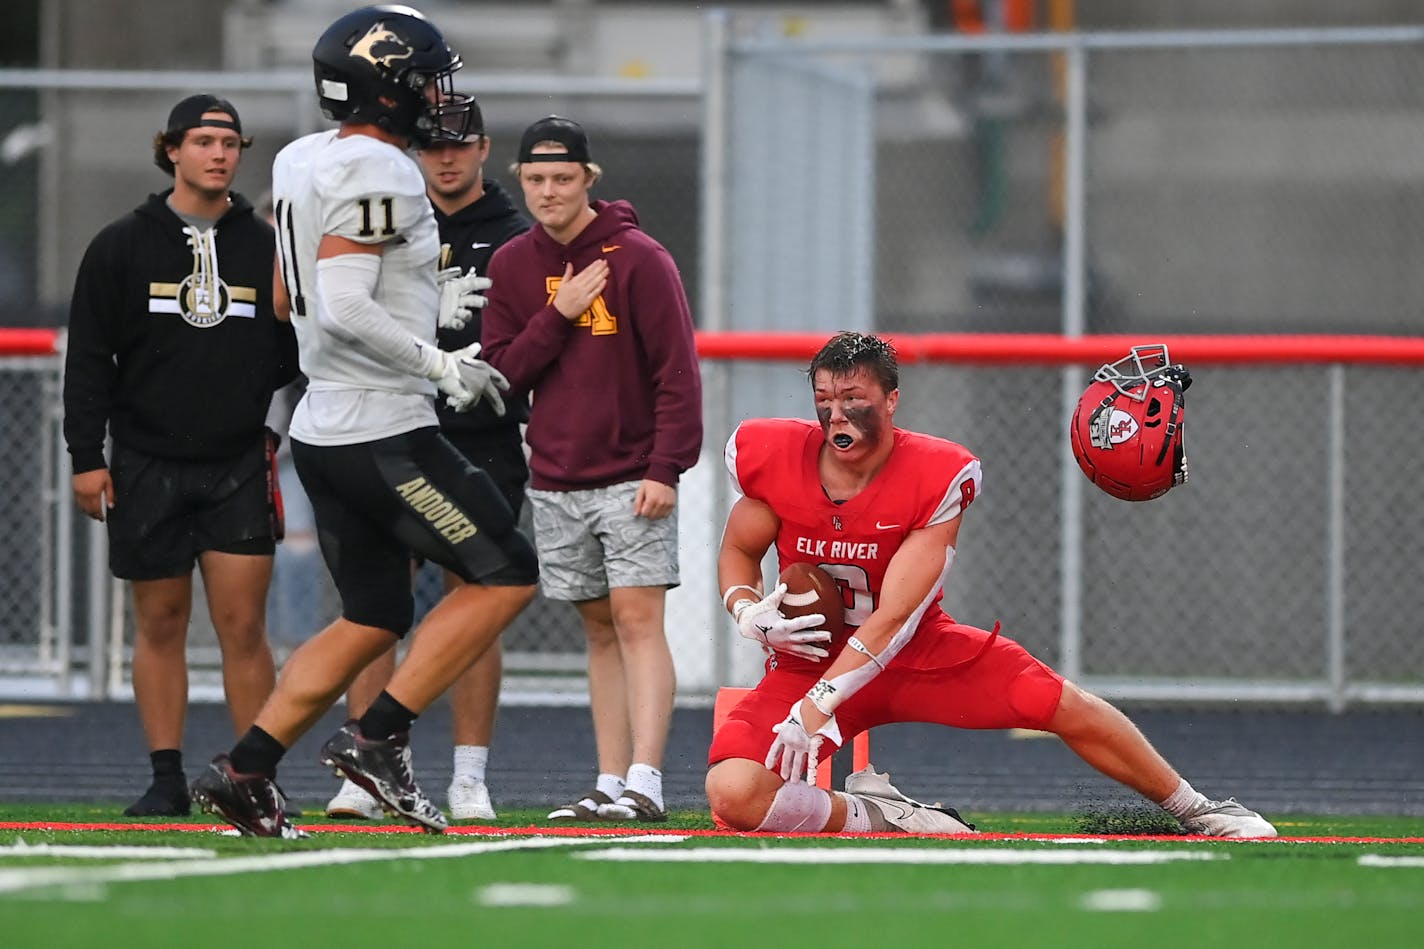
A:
{"x":250,"y":802}
{"x":353,"y":803}
{"x":382,"y":767}
{"x":1227,"y":819}
{"x":469,"y":799}
{"x":901,"y":813}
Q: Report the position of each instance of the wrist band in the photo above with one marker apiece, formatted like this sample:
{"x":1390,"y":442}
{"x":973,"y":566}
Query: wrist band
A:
{"x":727,"y":593}
{"x":822,"y":695}
{"x":859,"y":646}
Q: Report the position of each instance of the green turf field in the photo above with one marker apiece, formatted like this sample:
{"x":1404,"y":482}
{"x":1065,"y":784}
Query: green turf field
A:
{"x":1355,"y":882}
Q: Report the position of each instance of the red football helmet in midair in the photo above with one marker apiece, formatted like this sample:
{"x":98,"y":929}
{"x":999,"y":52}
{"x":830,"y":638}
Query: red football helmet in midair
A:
{"x":1127,"y":430}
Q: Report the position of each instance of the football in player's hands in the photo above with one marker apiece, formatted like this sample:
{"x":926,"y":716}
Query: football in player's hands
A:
{"x":809,"y":589}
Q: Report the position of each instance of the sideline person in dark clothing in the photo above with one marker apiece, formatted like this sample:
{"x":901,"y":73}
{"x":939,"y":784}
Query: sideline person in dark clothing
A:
{"x":588,"y":313}
{"x":174,"y":350}
{"x":475,"y":216}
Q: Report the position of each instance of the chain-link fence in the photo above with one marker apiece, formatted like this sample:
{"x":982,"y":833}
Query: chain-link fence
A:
{"x":1142,"y":184}
{"x":1286,"y":570}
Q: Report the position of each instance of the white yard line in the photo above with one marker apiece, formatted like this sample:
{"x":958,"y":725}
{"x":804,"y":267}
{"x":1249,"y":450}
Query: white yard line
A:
{"x":1376,"y":860}
{"x":823,"y":855}
{"x":88,"y":852}
{"x":14,"y":881}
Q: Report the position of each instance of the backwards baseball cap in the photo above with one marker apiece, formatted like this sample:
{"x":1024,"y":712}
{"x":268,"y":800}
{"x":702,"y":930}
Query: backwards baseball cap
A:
{"x":188,"y":114}
{"x":553,"y":128}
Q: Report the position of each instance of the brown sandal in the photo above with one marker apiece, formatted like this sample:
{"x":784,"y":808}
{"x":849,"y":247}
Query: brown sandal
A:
{"x":632,"y":806}
{"x":585,"y":809}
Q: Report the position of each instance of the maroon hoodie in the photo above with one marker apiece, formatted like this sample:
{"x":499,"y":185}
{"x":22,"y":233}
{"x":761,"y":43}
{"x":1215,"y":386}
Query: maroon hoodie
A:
{"x":618,"y":398}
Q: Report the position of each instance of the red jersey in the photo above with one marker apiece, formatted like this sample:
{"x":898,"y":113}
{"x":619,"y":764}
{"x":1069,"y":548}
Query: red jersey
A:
{"x":926,"y":481}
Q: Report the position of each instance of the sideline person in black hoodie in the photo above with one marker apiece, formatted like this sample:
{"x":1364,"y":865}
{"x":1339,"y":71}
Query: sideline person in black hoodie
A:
{"x":475,"y":216}
{"x":174,"y":350}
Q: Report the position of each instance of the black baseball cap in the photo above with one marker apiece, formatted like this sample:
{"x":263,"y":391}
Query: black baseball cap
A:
{"x":553,"y":128}
{"x":188,"y":114}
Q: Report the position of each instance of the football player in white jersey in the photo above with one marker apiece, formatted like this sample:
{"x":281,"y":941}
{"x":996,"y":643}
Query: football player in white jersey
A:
{"x":357,"y":254}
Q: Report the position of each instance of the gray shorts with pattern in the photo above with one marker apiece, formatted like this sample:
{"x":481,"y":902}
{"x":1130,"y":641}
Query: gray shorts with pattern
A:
{"x":590,"y":542}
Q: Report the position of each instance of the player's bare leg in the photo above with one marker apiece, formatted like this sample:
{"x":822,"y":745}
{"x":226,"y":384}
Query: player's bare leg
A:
{"x":741,"y":792}
{"x":451,"y":637}
{"x":1105,"y":738}
{"x":748,"y":797}
{"x":236,"y":587}
{"x":160,"y":682}
{"x":316,"y":674}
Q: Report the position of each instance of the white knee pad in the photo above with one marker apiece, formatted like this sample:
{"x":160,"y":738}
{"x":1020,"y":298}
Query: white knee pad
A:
{"x":798,"y":807}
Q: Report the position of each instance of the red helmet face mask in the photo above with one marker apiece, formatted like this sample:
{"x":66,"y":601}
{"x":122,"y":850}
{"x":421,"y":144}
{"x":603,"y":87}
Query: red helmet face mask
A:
{"x":1127,"y":430}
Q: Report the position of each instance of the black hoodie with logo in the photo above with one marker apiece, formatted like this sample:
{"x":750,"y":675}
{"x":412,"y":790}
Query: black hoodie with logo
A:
{"x":173,"y":344}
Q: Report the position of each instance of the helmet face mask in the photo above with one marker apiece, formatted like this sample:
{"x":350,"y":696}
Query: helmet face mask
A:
{"x":390,"y":67}
{"x":1128,"y":428}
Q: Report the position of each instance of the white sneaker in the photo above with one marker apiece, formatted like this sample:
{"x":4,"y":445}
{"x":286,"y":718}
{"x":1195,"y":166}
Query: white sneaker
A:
{"x":352,"y":802}
{"x":469,"y":799}
{"x":900,"y":812}
{"x":1227,"y":819}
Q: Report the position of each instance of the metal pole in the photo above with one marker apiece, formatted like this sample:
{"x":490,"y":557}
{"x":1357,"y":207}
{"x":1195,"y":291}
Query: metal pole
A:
{"x":1070,"y":646}
{"x":1335,"y":540}
{"x":717,"y":392}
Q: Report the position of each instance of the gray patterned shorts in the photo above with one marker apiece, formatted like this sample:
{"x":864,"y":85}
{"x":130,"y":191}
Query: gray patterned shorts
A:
{"x":590,"y":542}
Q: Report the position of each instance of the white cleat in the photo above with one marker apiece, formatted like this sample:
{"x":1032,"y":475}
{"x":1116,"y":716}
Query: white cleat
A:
{"x":470,"y":799}
{"x":902,"y":813}
{"x":1227,"y":819}
{"x":352,"y":802}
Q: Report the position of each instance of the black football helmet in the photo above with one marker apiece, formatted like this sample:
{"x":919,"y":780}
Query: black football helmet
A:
{"x":374,"y":64}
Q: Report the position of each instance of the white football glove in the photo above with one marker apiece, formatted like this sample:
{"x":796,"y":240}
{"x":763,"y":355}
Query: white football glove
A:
{"x":459,"y":296}
{"x":466,"y":379}
{"x":761,"y":620}
{"x":795,"y":754}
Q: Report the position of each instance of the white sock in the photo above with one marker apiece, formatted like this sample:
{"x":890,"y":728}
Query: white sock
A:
{"x":1184,"y":801}
{"x":857,"y":819}
{"x":470,"y":761}
{"x":798,"y":808}
{"x":610,"y":784}
{"x":647,"y":781}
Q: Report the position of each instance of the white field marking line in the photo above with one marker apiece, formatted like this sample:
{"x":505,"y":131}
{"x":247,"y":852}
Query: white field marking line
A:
{"x":1121,"y":901}
{"x":14,"y":881}
{"x":1377,"y":860}
{"x":525,"y":894}
{"x":905,"y":856}
{"x":86,"y":851}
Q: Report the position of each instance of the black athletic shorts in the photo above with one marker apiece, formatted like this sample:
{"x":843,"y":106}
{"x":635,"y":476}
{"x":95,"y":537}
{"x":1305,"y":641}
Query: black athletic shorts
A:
{"x":166,"y":512}
{"x":378,"y":502}
{"x":500,"y":452}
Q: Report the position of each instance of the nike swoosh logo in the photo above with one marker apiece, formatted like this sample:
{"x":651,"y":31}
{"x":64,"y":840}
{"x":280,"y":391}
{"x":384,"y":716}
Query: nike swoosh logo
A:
{"x":885,"y":527}
{"x":478,"y":244}
{"x":610,"y":248}
{"x":885,"y":805}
